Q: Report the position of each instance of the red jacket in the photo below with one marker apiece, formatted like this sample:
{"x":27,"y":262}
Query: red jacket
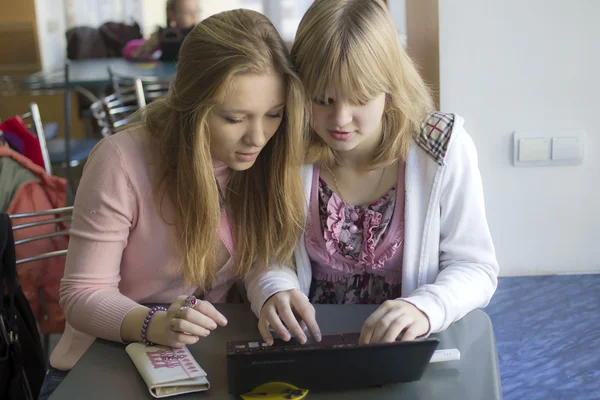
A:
{"x":39,"y":279}
{"x":25,"y":142}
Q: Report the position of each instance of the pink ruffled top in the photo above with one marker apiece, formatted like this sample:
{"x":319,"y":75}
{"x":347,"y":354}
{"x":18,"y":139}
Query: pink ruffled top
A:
{"x":346,"y":240}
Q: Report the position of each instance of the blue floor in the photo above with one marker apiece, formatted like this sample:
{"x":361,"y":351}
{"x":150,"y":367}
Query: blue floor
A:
{"x":548,"y":336}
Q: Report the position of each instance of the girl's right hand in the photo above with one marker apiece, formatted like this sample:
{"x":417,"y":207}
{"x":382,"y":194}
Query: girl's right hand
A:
{"x":179,"y":327}
{"x":286,"y":310}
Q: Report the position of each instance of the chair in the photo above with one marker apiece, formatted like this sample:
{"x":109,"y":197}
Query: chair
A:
{"x":145,"y":88}
{"x":50,"y":130}
{"x":38,"y":129}
{"x":50,"y":226}
{"x":55,"y":148}
{"x":114,"y":112}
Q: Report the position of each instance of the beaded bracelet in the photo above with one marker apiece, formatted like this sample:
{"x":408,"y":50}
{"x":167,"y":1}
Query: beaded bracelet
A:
{"x":147,"y":321}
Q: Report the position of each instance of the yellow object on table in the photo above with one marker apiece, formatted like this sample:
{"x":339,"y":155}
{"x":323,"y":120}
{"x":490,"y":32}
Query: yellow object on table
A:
{"x":146,"y":65}
{"x":276,"y":391}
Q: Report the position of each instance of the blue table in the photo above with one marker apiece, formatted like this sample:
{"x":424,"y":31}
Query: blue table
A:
{"x":92,"y":73}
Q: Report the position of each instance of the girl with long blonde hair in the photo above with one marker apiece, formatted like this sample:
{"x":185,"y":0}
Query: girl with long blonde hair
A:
{"x":396,"y":212}
{"x":178,"y":208}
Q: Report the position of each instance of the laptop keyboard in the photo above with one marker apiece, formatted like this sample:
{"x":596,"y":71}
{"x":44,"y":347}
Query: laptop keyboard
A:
{"x":327,"y":341}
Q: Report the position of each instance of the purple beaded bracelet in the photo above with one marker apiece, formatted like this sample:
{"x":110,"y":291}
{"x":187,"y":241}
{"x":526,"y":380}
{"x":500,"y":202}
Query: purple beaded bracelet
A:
{"x":147,"y":321}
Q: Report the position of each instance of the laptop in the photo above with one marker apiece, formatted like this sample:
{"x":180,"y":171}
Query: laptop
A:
{"x":338,"y":362}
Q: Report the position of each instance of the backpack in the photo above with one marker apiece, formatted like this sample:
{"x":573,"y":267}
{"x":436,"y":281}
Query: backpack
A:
{"x":22,"y":361}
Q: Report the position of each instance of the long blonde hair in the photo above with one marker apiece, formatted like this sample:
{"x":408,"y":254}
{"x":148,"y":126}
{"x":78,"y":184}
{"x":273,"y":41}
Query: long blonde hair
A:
{"x":265,"y":202}
{"x":352,"y":46}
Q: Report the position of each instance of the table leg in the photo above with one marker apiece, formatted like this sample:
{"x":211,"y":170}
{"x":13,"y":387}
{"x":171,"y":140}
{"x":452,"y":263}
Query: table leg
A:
{"x":69,"y":171}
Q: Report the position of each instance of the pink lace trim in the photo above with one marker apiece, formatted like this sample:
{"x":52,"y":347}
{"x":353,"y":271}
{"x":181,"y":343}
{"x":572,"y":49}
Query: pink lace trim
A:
{"x":338,"y":270}
{"x":335,"y":220}
{"x":371,"y":222}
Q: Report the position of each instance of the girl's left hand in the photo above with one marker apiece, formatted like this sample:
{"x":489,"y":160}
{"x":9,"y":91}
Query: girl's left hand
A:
{"x":391,"y":319}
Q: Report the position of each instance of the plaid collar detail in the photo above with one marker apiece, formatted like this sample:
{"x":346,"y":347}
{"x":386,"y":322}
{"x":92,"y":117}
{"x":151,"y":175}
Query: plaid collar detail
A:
{"x":434,"y":136}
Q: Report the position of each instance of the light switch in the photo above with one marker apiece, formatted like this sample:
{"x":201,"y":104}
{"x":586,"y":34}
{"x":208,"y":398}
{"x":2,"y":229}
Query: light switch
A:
{"x":566,"y":148}
{"x":534,"y":149}
{"x":548,"y":147}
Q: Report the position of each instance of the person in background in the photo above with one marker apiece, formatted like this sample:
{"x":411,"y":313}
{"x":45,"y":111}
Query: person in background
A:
{"x":396,"y":213}
{"x":180,"y":208}
{"x":182,"y":15}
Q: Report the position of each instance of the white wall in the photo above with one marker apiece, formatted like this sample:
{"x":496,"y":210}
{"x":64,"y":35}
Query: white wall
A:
{"x":153,"y":15}
{"x":398,"y":11}
{"x":527,"y":66}
{"x":50,"y":16}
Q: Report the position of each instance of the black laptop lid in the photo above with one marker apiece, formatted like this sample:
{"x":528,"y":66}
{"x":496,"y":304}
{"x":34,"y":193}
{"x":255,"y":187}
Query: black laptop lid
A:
{"x":337,"y":363}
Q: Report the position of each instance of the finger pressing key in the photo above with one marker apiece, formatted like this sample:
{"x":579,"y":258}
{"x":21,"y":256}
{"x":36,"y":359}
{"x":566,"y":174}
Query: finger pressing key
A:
{"x":289,"y":319}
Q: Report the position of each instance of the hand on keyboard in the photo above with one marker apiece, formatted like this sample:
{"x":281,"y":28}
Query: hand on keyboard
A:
{"x":287,"y":312}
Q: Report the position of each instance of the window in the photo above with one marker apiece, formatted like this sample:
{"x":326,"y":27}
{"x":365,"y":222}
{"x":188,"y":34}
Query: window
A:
{"x":291,"y":15}
{"x":96,"y":12}
{"x":209,"y":7}
{"x":285,"y":14}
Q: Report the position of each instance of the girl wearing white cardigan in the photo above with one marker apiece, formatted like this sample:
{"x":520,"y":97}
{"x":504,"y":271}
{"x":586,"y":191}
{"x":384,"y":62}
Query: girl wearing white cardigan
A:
{"x":394,"y":199}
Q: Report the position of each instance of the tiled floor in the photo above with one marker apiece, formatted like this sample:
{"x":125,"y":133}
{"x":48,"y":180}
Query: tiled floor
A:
{"x":548,"y":336}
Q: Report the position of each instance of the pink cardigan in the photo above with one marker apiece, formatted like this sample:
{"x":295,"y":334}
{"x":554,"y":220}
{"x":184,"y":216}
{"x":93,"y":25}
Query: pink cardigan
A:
{"x":122,"y":252}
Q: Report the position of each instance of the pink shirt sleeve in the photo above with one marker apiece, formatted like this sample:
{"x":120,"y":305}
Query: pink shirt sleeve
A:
{"x":105,"y":211}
